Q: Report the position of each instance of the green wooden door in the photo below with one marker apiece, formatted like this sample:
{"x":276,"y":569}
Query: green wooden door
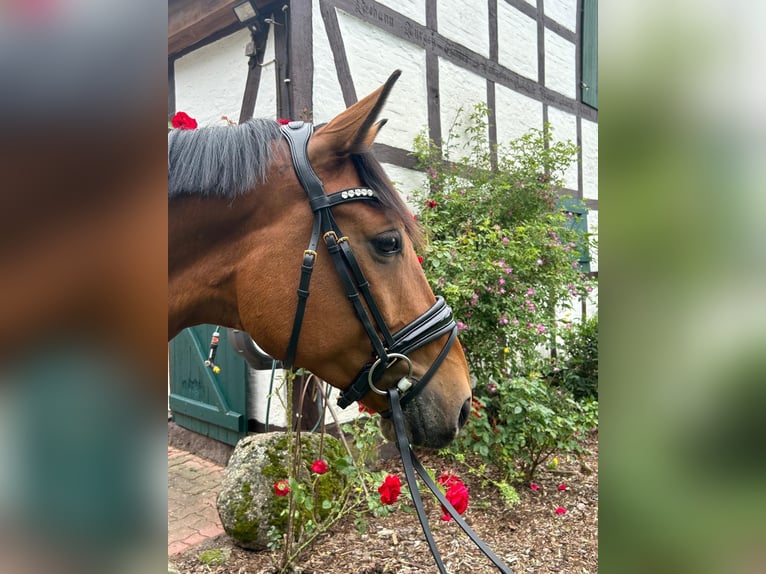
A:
{"x":211,"y":404}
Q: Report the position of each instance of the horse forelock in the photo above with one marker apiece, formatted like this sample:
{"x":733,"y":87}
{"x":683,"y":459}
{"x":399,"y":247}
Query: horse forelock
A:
{"x":373,"y":176}
{"x":220,"y":161}
{"x":228,"y":161}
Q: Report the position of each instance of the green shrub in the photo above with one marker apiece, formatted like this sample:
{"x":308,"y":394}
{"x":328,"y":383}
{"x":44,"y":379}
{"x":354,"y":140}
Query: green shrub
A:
{"x":498,"y":249}
{"x":505,"y":258}
{"x":524,"y":423}
{"x":577,"y":370}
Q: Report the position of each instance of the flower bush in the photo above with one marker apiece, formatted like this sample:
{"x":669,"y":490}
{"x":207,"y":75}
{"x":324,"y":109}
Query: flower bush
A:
{"x":315,"y":491}
{"x":506,"y":258}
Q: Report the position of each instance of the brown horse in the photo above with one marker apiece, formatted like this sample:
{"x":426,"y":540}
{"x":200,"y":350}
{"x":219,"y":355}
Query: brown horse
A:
{"x":239,"y":223}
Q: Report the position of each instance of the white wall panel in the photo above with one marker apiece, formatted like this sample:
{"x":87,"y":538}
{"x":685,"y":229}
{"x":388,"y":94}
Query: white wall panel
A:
{"x":266,"y":101}
{"x":593,"y":229}
{"x":565,"y":129}
{"x":459,"y":91}
{"x":466,"y":23}
{"x":328,"y":97}
{"x":413,"y":9}
{"x":372,"y":55}
{"x":517,"y":41}
{"x":210,"y":81}
{"x":589,"y":159}
{"x":515,"y":114}
{"x":560,"y":64}
{"x":564,"y":12}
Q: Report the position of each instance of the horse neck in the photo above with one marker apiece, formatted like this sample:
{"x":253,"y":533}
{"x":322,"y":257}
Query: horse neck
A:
{"x":202,"y":260}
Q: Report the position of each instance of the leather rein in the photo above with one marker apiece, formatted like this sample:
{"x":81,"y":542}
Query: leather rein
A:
{"x":389,"y":348}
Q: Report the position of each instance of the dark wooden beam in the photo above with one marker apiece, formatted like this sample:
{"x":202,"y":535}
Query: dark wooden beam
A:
{"x":253,"y":75}
{"x":191,"y":21}
{"x":300,"y":50}
{"x":342,"y":68}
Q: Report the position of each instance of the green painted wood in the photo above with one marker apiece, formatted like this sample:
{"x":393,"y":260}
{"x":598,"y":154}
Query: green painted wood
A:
{"x":211,"y":404}
{"x":590,"y":53}
{"x":579,"y":223}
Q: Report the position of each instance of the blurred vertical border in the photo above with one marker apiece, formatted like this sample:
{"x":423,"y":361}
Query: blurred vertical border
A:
{"x":83,"y":286}
{"x":682,"y":296}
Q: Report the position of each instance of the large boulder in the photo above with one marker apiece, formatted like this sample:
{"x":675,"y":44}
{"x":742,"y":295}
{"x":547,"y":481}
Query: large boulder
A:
{"x":247,"y":504}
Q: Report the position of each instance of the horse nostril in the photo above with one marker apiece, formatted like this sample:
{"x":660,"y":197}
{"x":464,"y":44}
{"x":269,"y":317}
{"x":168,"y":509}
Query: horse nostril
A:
{"x":465,"y":410}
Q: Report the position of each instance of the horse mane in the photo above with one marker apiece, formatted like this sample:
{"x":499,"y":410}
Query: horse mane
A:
{"x":228,"y":161}
{"x":220,"y":161}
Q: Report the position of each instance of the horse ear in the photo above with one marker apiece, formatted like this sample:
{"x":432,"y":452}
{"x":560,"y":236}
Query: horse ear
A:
{"x":354,"y":130}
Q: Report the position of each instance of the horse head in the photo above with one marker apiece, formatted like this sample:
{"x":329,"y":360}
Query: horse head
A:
{"x":318,"y":262}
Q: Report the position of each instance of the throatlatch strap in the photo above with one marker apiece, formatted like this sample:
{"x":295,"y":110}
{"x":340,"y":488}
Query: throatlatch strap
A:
{"x":411,"y":465}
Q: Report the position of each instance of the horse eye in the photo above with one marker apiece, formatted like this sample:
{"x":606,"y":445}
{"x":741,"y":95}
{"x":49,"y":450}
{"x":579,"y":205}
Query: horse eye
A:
{"x":387,"y":244}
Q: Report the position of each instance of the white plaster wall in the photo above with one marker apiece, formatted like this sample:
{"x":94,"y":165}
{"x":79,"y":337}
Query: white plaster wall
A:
{"x":459,"y":91}
{"x":589,"y":131}
{"x":564,"y":127}
{"x":210,"y":81}
{"x":266,"y":100}
{"x":258,"y":400}
{"x":328,"y":97}
{"x":406,"y":181}
{"x":515,"y":114}
{"x":591,"y":303}
{"x":563,"y":12}
{"x":560,"y":63}
{"x":372,"y":55}
{"x":258,"y":396}
{"x":517,"y":40}
{"x":413,"y":9}
{"x":466,"y":23}
{"x":593,"y":229}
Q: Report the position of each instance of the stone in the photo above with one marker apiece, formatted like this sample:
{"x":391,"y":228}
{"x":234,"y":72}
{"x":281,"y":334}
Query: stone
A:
{"x":247,"y":504}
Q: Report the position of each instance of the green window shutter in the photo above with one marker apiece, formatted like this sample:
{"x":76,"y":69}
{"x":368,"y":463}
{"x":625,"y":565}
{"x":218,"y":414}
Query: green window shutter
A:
{"x":589,"y":84}
{"x":579,"y":223}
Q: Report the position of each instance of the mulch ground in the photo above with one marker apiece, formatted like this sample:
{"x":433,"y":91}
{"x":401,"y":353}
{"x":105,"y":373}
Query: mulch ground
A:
{"x":531,"y":537}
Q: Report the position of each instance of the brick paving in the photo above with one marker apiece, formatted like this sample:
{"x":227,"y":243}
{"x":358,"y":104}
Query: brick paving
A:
{"x":193,"y":484}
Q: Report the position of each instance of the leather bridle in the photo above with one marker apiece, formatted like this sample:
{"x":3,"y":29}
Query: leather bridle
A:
{"x":389,"y":348}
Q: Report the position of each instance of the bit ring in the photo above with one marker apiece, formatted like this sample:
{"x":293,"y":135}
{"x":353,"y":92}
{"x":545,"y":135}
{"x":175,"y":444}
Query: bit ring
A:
{"x":375,"y":364}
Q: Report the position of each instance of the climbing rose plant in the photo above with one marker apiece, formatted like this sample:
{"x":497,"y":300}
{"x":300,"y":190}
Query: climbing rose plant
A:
{"x":505,"y":257}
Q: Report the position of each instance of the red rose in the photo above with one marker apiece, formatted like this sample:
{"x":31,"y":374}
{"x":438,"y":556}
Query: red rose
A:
{"x":534,"y":486}
{"x":561,"y":510}
{"x":457,"y":494}
{"x":183,"y":121}
{"x":562,"y":486}
{"x":446,"y":480}
{"x":390,"y":489}
{"x":281,"y":487}
{"x":319,"y":466}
